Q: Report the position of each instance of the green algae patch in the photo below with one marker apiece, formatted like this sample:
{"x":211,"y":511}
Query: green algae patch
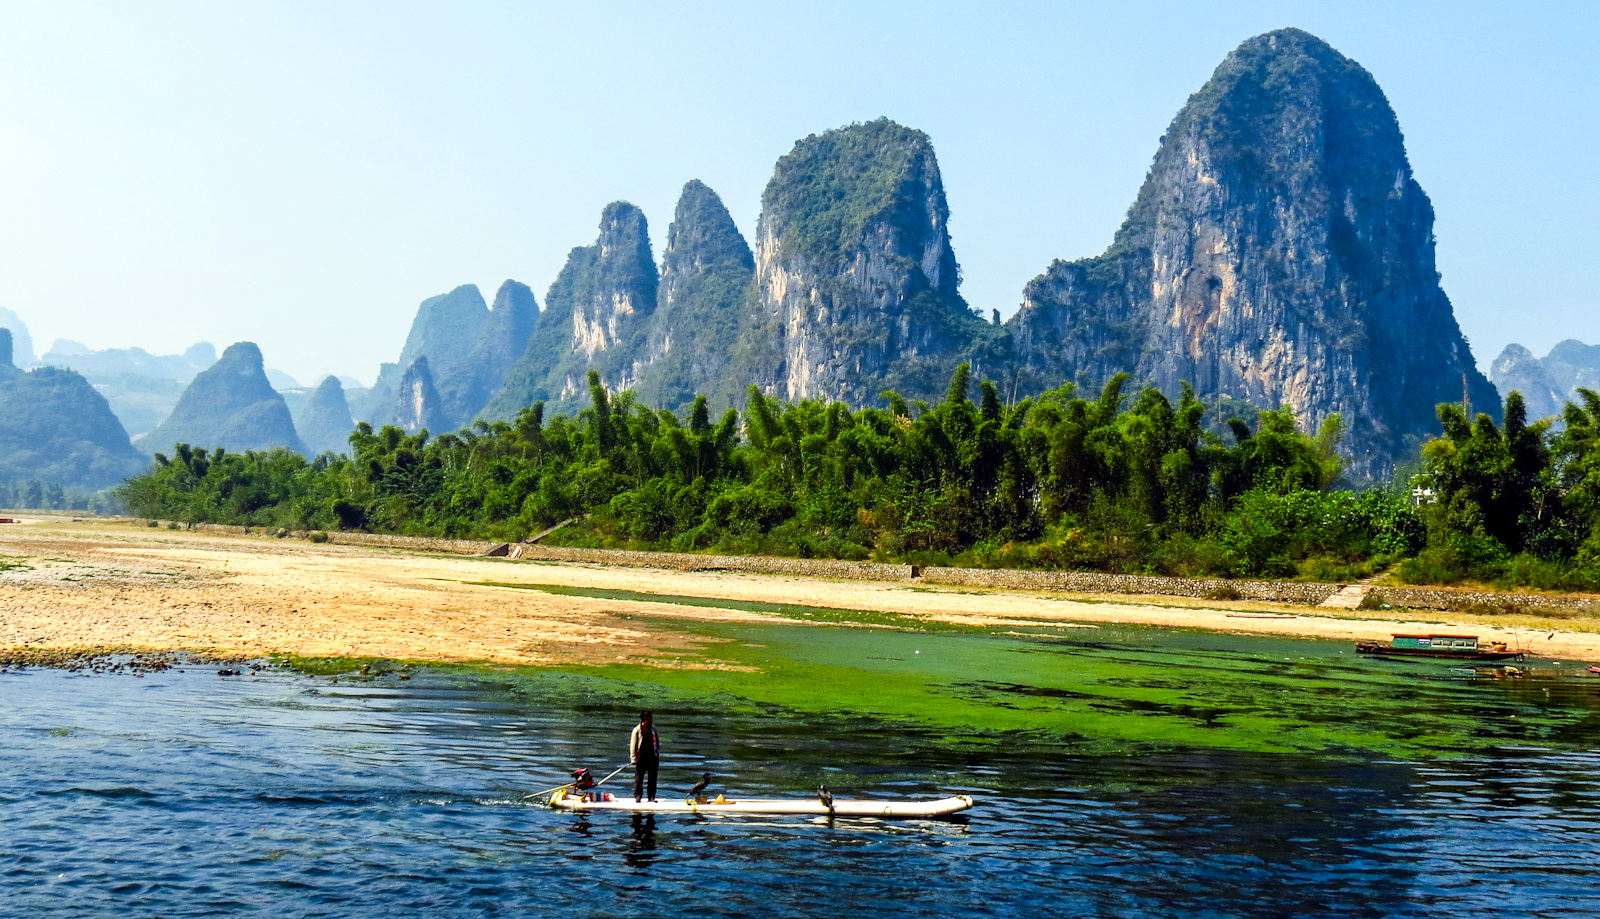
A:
{"x":797,"y":612}
{"x":1112,"y":690}
{"x":1143,"y":689}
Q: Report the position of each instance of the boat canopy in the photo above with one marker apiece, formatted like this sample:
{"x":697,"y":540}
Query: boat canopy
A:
{"x":1454,"y":642}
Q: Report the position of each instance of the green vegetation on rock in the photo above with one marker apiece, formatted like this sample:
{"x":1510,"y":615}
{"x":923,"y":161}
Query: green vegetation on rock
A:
{"x":56,"y":430}
{"x":595,"y":318}
{"x":692,"y":346}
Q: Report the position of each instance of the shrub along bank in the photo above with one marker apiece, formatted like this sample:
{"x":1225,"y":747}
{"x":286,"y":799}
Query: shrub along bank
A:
{"x":1106,"y":482}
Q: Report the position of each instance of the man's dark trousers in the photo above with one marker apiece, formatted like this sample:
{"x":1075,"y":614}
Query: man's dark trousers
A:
{"x":641,"y":769}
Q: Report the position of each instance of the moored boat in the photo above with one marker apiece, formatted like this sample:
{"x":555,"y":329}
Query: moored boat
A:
{"x":841,"y":807}
{"x":1446,"y":647}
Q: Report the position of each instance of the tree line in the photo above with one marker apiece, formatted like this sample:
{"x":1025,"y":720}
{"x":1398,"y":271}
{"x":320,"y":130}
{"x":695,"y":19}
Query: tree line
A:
{"x":1114,"y":481}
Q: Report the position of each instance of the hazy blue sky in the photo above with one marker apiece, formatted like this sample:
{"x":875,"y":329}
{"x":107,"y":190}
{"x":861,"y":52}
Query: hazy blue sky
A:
{"x":303,"y":174}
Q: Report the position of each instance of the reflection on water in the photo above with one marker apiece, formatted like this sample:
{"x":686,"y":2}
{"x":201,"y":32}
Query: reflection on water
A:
{"x":185,"y":795}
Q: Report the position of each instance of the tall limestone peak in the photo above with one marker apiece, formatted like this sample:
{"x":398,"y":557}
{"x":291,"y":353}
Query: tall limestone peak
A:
{"x":706,"y":272}
{"x":446,"y":330}
{"x":420,"y":404}
{"x":856,"y":279}
{"x":512,"y":321}
{"x":325,"y":422}
{"x":230,"y":404}
{"x":55,"y":427}
{"x":1281,"y":252}
{"x":595,"y":317}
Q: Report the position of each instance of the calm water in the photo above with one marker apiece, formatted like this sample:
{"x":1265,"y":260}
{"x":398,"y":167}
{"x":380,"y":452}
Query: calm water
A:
{"x":181,"y":794}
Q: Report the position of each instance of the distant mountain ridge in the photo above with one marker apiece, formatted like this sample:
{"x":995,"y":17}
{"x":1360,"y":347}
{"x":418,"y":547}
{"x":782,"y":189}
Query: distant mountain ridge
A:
{"x":1279,"y":251}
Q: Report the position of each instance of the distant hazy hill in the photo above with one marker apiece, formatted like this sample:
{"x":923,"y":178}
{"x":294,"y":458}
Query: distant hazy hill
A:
{"x":137,"y":361}
{"x":55,"y":428}
{"x":21,"y":342}
{"x":141,"y":387}
{"x":229,"y":405}
{"x":324,"y":424}
{"x":1547,"y":384}
{"x":466,"y":348}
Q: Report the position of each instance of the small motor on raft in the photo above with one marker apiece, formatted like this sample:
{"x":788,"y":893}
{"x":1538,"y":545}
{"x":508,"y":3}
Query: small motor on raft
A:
{"x":582,"y":783}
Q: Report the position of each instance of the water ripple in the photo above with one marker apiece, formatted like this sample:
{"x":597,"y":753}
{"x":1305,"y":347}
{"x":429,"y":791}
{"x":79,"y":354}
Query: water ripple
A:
{"x":269,"y":799}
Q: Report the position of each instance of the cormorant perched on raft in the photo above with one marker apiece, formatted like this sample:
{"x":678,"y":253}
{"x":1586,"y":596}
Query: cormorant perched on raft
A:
{"x":700,"y":786}
{"x":826,"y":797}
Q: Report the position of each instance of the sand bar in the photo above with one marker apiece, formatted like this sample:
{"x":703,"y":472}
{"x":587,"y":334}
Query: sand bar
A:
{"x":72,"y":585}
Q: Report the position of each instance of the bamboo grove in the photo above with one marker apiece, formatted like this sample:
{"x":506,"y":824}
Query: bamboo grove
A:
{"x":1104,"y":481}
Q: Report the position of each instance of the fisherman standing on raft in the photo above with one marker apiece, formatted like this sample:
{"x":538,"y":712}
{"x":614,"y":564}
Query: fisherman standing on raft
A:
{"x":644,"y":752}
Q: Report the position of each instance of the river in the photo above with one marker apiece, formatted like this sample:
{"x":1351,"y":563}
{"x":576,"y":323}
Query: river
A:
{"x":182,"y":793}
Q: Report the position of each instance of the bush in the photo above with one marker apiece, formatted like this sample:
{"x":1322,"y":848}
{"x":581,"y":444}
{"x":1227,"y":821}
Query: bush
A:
{"x":317,"y":536}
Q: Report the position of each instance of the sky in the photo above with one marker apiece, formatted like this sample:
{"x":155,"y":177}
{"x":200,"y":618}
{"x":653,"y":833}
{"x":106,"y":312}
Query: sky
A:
{"x":302,"y":175}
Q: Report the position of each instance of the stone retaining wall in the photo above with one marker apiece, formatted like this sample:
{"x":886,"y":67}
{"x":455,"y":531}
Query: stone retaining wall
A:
{"x":1447,"y":599}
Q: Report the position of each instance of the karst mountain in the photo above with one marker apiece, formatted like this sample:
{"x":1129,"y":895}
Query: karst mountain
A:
{"x":230,"y":405}
{"x":54,"y":427}
{"x":1280,"y":252}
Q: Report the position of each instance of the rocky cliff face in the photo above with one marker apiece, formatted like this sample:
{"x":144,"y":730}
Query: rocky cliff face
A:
{"x":1547,"y":384}
{"x":1279,"y":252}
{"x":856,"y":280}
{"x":595,"y":317}
{"x":55,"y":428}
{"x":229,"y":405}
{"x":325,"y":423}
{"x":692,"y":338}
{"x":420,"y":405}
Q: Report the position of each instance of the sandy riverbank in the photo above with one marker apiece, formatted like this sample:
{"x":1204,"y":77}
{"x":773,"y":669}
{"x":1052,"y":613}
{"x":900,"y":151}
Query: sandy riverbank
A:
{"x":101,"y":584}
